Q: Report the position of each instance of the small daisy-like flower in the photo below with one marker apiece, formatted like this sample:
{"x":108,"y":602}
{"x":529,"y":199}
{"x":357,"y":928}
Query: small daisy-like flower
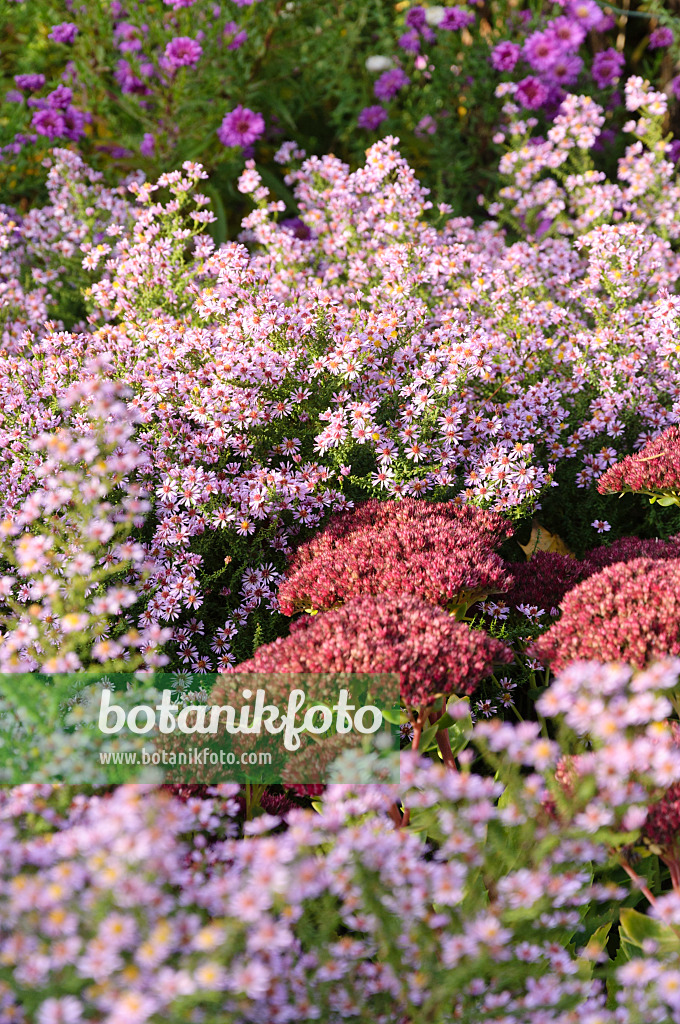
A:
{"x":601,"y":525}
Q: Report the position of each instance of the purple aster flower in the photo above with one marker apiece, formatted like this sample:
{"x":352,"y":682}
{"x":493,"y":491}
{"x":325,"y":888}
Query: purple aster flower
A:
{"x":570,"y":33}
{"x":426,"y":126}
{"x":49,"y":122}
{"x":30,"y":82}
{"x":148,"y":144}
{"x":14,"y":96}
{"x":389,"y":83}
{"x":74,"y":123}
{"x":674,"y":152}
{"x":531,"y":93}
{"x":182,"y":52}
{"x":675,"y":86}
{"x":236,"y":36}
{"x":371,"y":117}
{"x":660,"y":38}
{"x":607,"y":67}
{"x":240,"y":127}
{"x":410,"y":41}
{"x":66,"y":32}
{"x":179,"y":3}
{"x":415,"y":18}
{"x":128,"y":81}
{"x":60,"y":98}
{"x":455,"y":18}
{"x":586,"y":12}
{"x":566,"y":69}
{"x":296,"y":227}
{"x":505,"y":56}
{"x":541,"y":50}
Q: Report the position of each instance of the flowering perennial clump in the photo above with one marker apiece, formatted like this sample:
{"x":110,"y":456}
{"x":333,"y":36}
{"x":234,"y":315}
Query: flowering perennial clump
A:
{"x":393,"y":633}
{"x":439,"y":553}
{"x":629,"y":611}
{"x":654,"y":470}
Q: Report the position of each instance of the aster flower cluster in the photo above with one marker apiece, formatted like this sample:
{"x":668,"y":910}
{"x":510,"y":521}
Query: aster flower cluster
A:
{"x":195,"y":920}
{"x":66,"y":603}
{"x":359,"y":357}
{"x":434,"y":551}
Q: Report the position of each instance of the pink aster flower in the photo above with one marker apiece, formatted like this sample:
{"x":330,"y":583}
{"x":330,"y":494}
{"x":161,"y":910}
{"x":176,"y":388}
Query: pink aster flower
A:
{"x":60,"y":1011}
{"x":531,"y":93}
{"x":240,"y":127}
{"x":505,"y":56}
{"x":183,"y":51}
{"x":660,"y":38}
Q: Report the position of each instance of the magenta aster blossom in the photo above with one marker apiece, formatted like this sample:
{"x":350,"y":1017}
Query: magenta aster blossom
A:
{"x":660,"y":38}
{"x":586,"y":12}
{"x":505,"y":56}
{"x":49,"y":122}
{"x":425,"y":647}
{"x":371,"y":117}
{"x":66,"y":32}
{"x":531,"y":93}
{"x":607,"y":67}
{"x":628,"y":612}
{"x":416,"y":17}
{"x":410,"y":41}
{"x":569,"y":33}
{"x":240,"y":127}
{"x":541,"y":50}
{"x":30,"y":82}
{"x":389,"y":83}
{"x":565,"y":69}
{"x":236,"y":36}
{"x":183,"y":51}
{"x":456,"y":18}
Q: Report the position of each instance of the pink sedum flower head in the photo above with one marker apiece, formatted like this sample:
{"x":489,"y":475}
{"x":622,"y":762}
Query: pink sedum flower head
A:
{"x":628,"y":612}
{"x":544,"y":580}
{"x":655,"y":470}
{"x":625,"y":549}
{"x":434,"y":551}
{"x":240,"y":127}
{"x":430,"y":651}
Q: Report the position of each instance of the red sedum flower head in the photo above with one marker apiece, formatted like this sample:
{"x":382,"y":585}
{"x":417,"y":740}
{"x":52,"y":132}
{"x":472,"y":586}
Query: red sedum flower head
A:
{"x":434,"y":551}
{"x":544,"y":580}
{"x":627,"y":548}
{"x":628,"y":612}
{"x":654,"y":470}
{"x":429,"y":650}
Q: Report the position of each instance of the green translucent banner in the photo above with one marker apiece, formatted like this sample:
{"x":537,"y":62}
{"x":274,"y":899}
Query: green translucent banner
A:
{"x":288,"y":729}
